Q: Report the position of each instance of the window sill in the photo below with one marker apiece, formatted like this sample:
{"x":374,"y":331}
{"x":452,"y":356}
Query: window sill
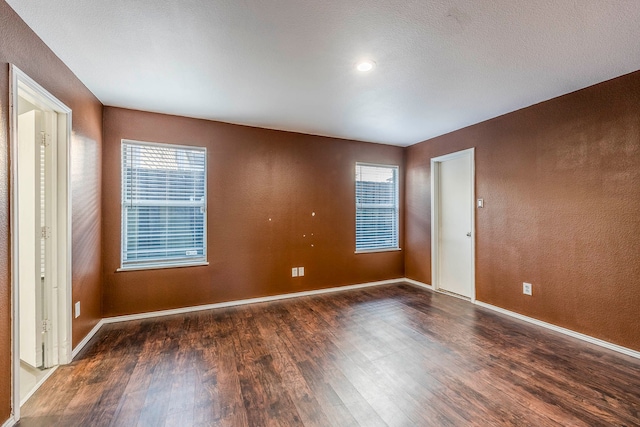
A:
{"x":373,"y":251}
{"x":161,"y":266}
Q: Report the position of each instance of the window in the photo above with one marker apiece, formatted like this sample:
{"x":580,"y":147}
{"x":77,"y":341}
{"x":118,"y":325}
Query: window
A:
{"x":376,"y":207}
{"x":164,"y":202}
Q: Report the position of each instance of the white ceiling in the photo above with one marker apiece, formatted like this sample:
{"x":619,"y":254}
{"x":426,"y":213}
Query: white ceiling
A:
{"x":289,"y":64}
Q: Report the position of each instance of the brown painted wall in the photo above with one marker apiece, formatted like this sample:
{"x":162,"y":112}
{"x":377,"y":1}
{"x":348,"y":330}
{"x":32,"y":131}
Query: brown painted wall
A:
{"x":253,"y":175}
{"x":20,"y":46}
{"x":561,"y":185}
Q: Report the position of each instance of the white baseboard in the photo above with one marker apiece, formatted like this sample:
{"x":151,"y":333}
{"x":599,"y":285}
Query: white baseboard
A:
{"x":184,"y":310}
{"x":38,"y":384}
{"x":86,"y":339}
{"x":416,"y":283}
{"x":10,"y":422}
{"x":562,"y":330}
{"x":140,"y":316}
{"x":565,"y":331}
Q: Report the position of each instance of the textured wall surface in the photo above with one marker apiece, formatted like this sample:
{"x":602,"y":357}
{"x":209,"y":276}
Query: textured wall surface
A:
{"x":253,"y":175}
{"x":20,"y":46}
{"x":561,"y":185}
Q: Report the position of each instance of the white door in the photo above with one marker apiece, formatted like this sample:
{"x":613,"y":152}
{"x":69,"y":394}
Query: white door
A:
{"x":40,"y":198}
{"x":30,"y":250}
{"x":454,"y":204}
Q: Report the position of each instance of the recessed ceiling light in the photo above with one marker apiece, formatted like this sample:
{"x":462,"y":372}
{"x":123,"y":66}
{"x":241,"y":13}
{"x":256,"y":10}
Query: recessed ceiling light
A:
{"x":366,"y":65}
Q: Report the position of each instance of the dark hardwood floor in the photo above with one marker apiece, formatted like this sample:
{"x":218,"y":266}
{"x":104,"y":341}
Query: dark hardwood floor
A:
{"x":390,"y":355}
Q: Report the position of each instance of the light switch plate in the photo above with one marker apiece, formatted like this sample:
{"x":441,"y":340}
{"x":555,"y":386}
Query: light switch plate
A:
{"x":300,"y":271}
{"x":294,"y":272}
{"x":481,"y":203}
{"x":77,"y":309}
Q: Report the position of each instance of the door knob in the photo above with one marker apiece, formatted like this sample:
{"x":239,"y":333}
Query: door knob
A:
{"x":469,"y":234}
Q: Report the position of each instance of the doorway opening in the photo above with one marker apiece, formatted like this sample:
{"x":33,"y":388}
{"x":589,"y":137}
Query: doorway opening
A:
{"x":40,"y":235}
{"x":453,"y":223}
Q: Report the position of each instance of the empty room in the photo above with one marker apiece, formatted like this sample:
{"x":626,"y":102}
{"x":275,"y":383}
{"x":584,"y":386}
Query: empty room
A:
{"x":329,"y":213}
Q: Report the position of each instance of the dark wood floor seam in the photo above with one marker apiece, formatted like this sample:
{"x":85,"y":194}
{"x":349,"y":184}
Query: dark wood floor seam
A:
{"x":392,"y":355}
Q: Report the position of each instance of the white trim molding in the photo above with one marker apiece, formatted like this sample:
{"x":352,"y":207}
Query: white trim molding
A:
{"x":435,"y":216}
{"x":38,"y":384}
{"x":565,"y":331}
{"x":419,"y":284}
{"x":555,"y":328}
{"x":191,"y":309}
{"x":183,"y":310}
{"x":10,"y":422}
{"x":152,"y":314}
{"x":86,"y":339}
{"x":59,"y":304}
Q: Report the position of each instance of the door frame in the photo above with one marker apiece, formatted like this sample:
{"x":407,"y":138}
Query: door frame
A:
{"x":435,"y":217}
{"x":60,"y":337}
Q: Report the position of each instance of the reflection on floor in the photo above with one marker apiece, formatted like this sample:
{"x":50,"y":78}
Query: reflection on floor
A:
{"x":30,"y":379}
{"x":393,"y":355}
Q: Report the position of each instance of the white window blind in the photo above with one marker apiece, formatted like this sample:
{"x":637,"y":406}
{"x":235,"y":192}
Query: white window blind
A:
{"x":376,"y":207}
{"x":163,"y":205}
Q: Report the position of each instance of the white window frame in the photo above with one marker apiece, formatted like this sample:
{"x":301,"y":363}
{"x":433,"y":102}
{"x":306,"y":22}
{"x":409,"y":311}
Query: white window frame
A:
{"x":396,"y":170}
{"x":159,"y":263}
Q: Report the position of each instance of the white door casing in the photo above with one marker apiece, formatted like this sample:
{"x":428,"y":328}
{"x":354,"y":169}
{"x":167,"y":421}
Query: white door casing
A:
{"x":453,"y":233}
{"x":57,"y":295}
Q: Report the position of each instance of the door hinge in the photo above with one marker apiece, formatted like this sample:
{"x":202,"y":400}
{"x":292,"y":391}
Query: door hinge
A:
{"x":45,"y":139}
{"x":46,"y":326}
{"x":45,"y":233}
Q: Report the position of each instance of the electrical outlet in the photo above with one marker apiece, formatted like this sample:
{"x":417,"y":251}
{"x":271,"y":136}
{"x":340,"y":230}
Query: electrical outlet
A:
{"x":527,"y":288}
{"x":301,"y":271}
{"x":77,"y":309}
{"x":294,"y":272}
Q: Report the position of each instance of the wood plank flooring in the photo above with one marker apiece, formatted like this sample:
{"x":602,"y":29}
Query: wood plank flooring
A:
{"x":389,"y":355}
